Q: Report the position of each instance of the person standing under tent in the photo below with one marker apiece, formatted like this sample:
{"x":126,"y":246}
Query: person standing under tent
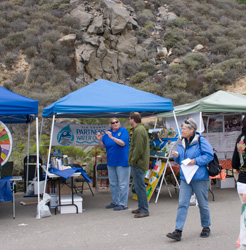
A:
{"x":139,"y":161}
{"x":239,"y":163}
{"x":116,"y":142}
{"x":195,"y":147}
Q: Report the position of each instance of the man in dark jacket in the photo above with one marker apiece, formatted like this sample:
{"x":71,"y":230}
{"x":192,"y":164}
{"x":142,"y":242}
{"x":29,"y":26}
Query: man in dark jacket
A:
{"x":139,"y":162}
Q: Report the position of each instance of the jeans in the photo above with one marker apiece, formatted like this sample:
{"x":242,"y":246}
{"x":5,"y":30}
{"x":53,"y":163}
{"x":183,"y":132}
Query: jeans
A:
{"x":138,"y":179}
{"x":200,"y":188}
{"x":119,"y":178}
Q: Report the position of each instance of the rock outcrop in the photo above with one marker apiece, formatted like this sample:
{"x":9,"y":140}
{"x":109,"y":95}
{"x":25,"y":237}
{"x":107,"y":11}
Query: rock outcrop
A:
{"x":108,"y":40}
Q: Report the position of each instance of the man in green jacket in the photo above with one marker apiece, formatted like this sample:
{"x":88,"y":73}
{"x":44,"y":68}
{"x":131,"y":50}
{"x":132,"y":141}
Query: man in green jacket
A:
{"x":139,"y":162}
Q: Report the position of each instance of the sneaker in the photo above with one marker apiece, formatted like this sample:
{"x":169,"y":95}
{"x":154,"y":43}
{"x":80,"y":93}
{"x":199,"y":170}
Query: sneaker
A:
{"x":176,"y":235}
{"x":205,"y":232}
{"x":111,"y":205}
{"x":120,"y":207}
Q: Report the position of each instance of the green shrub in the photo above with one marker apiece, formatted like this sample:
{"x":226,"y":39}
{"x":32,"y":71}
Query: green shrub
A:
{"x":10,"y":60}
{"x":174,"y":38}
{"x":142,"y":20}
{"x":18,"y":25}
{"x":213,"y":74}
{"x":177,"y":69}
{"x":239,"y":52}
{"x":181,"y":97}
{"x":8,"y":85}
{"x":142,"y":34}
{"x":177,"y":82}
{"x":177,"y":22}
{"x":149,"y":86}
{"x":48,"y":51}
{"x":195,"y":61}
{"x":231,"y":64}
{"x":20,"y":146}
{"x":13,"y":40}
{"x":19,"y":78}
{"x":241,"y":1}
{"x":148,"y":67}
{"x":52,"y":36}
{"x":139,"y":77}
{"x":176,"y":6}
{"x":12,"y":15}
{"x":149,"y":25}
{"x":71,"y":22}
{"x":223,"y":46}
{"x":148,"y":13}
{"x":30,"y":52}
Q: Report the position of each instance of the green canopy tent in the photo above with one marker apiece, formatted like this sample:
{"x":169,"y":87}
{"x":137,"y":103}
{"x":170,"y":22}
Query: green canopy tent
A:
{"x":218,"y":102}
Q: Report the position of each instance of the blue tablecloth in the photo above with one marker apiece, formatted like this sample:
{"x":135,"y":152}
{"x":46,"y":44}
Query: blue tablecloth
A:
{"x":66,"y":173}
{"x":5,"y":189}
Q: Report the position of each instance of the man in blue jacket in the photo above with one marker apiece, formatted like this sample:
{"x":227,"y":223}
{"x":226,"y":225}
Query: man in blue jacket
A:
{"x":200,"y":154}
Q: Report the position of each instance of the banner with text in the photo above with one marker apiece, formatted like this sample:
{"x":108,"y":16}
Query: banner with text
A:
{"x":77,"y":134}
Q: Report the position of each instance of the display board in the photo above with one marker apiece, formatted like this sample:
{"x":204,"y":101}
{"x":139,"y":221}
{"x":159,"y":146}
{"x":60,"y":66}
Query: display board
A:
{"x":152,"y":178}
{"x":222,"y":130}
{"x":6,"y":143}
{"x":77,"y":134}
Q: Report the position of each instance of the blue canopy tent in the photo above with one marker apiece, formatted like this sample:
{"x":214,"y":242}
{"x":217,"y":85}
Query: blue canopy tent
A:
{"x":105,"y":99}
{"x":15,"y":109}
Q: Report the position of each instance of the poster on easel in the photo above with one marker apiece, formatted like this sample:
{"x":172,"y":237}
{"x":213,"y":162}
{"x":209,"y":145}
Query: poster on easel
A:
{"x":152,"y":178}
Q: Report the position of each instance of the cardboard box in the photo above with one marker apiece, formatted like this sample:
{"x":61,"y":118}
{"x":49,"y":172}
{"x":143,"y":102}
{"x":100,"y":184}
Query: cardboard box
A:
{"x":228,"y":183}
{"x":67,"y":199}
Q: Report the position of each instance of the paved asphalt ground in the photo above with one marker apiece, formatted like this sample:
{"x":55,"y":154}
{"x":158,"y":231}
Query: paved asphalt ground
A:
{"x":98,"y":228}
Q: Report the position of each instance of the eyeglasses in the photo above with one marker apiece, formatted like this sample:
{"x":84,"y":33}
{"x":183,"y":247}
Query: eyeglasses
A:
{"x":114,"y":122}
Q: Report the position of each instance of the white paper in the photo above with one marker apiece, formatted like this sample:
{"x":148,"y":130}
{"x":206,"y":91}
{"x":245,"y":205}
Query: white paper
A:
{"x":186,"y":161}
{"x":189,"y":171}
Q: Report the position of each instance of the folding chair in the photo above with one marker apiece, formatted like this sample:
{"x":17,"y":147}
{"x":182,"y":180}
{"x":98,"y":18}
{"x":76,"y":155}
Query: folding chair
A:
{"x":80,"y":180}
{"x":103,"y":175}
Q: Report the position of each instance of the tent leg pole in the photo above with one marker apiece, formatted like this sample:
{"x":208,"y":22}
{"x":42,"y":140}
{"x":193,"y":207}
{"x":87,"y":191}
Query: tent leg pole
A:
{"x":41,"y":131}
{"x":155,"y":122}
{"x":51,"y":138}
{"x":38,"y":177}
{"x":27,"y":167}
{"x":201,"y":122}
{"x":175,"y":118}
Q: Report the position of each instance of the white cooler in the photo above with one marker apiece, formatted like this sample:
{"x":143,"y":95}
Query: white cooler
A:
{"x":67,"y":199}
{"x":228,"y":183}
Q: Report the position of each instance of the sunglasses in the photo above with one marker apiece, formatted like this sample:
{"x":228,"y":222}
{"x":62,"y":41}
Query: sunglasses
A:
{"x":114,"y":122}
{"x":187,"y":122}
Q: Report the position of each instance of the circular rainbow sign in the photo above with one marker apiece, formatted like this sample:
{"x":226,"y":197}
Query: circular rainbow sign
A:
{"x":6,"y":143}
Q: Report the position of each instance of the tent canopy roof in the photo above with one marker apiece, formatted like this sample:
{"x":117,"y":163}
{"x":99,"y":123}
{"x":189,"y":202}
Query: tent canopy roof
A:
{"x":15,"y":108}
{"x":107,"y":99}
{"x":218,"y":102}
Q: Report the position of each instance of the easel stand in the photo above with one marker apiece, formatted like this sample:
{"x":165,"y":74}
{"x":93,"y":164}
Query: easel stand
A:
{"x":168,"y":164}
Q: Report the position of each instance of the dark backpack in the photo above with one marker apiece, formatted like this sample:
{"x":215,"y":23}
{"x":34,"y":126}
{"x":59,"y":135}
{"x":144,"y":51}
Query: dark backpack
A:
{"x":214,"y":167}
